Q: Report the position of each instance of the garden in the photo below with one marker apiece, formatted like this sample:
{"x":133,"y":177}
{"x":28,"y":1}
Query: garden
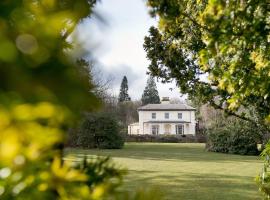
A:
{"x":182,"y":170}
{"x":63,"y":130}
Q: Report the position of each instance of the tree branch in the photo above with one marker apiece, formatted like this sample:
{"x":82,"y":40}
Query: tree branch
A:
{"x":231,"y":113}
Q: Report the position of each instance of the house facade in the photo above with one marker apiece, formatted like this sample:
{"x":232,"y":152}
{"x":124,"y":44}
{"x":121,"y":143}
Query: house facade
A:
{"x":165,"y":118}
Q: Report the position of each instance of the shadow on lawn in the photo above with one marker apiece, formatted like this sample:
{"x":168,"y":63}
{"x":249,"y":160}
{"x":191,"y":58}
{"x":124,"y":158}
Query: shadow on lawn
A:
{"x":166,"y":152}
{"x":196,"y":186}
{"x":179,"y":184}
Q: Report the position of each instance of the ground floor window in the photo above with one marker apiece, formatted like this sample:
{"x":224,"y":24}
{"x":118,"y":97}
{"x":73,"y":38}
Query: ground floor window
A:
{"x":179,"y":129}
{"x":155,"y":129}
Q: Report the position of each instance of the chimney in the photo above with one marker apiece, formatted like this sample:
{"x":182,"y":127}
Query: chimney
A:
{"x":165,"y":100}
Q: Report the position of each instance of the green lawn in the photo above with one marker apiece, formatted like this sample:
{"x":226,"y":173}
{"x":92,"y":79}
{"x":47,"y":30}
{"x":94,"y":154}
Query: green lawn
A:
{"x":185,"y":171}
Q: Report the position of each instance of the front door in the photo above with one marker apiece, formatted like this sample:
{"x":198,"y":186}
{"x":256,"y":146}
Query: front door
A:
{"x":179,"y":129}
{"x":167,"y":129}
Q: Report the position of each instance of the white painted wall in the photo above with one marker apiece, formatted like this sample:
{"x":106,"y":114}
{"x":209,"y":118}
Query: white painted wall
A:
{"x":188,"y":116}
{"x":134,"y":129}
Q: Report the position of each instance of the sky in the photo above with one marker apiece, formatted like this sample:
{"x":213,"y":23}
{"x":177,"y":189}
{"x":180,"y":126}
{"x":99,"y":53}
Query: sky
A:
{"x":116,"y":45}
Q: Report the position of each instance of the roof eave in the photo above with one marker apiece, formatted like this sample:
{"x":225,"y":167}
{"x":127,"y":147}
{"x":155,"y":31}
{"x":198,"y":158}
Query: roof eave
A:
{"x":145,"y":109}
{"x":166,"y":122}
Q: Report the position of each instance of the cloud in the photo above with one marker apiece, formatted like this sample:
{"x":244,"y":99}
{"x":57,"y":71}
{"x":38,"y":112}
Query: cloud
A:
{"x":136,"y":80}
{"x":117,"y":47}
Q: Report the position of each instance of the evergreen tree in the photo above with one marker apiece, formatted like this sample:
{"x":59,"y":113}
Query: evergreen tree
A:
{"x":123,"y":95}
{"x":150,"y":93}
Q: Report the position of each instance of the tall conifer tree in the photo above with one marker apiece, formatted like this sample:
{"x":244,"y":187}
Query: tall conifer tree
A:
{"x":150,"y":93}
{"x":123,"y":94}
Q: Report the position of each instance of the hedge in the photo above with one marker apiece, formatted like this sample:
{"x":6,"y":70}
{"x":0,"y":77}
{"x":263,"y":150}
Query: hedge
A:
{"x":166,"y":138}
{"x":237,"y":138}
{"x":97,"y":130}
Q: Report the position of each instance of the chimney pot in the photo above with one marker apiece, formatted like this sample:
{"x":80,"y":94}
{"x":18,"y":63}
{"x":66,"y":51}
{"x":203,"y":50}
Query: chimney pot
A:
{"x":165,"y":100}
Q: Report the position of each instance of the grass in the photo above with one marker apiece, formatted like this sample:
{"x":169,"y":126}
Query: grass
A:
{"x":185,"y":171}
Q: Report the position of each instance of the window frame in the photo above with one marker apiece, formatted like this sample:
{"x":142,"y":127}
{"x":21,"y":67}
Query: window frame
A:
{"x":177,"y":129}
{"x":154,"y":114}
{"x":180,"y":115}
{"x":166,"y":115}
{"x":154,"y":129}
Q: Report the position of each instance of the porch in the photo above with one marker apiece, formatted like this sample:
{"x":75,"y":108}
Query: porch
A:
{"x":166,"y":127}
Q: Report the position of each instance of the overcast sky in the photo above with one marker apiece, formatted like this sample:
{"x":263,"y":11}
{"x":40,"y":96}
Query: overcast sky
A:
{"x":117,"y":44}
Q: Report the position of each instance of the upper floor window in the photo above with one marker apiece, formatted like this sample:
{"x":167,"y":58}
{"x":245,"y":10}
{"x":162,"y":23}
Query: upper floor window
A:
{"x":167,"y":116}
{"x":154,"y":115}
{"x":180,"y":115}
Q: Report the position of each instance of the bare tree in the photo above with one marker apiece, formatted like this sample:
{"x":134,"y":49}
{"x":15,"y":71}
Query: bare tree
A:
{"x":102,"y":83}
{"x":176,"y":100}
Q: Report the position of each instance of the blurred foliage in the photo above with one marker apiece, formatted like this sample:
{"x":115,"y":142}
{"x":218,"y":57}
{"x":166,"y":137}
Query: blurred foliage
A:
{"x":42,"y":91}
{"x":33,"y":41}
{"x":263,"y":179}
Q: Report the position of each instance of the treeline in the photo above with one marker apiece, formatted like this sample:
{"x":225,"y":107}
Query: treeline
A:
{"x":107,"y":127}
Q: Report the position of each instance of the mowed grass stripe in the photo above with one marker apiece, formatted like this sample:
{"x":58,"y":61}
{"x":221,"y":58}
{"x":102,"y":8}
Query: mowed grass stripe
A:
{"x":184,"y":171}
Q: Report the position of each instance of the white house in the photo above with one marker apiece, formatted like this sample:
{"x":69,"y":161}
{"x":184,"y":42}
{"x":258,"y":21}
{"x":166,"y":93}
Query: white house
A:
{"x":164,"y":118}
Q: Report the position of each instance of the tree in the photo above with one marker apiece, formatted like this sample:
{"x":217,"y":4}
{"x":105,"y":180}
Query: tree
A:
{"x":150,"y":93}
{"x":127,"y":112}
{"x":177,"y":100}
{"x":101,"y":84}
{"x":42,"y":92}
{"x":227,"y":41}
{"x":123,"y":95}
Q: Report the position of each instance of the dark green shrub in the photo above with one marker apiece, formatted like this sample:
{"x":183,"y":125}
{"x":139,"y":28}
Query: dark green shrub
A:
{"x":236,"y":138}
{"x":141,"y":138}
{"x":169,"y":139}
{"x":164,"y":138}
{"x":200,"y":138}
{"x":243,"y":140}
{"x":190,"y":138}
{"x":218,"y":140}
{"x":100,"y":130}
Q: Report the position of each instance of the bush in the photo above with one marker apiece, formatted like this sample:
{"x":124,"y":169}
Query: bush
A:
{"x":169,"y":139}
{"x":243,"y":142}
{"x":200,"y":138}
{"x":100,"y":130}
{"x":237,"y":138}
{"x":165,"y":138}
{"x":218,"y":140}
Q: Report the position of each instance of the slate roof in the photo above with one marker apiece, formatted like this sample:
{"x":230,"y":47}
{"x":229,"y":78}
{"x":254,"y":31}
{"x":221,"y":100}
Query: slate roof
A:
{"x":169,"y":107}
